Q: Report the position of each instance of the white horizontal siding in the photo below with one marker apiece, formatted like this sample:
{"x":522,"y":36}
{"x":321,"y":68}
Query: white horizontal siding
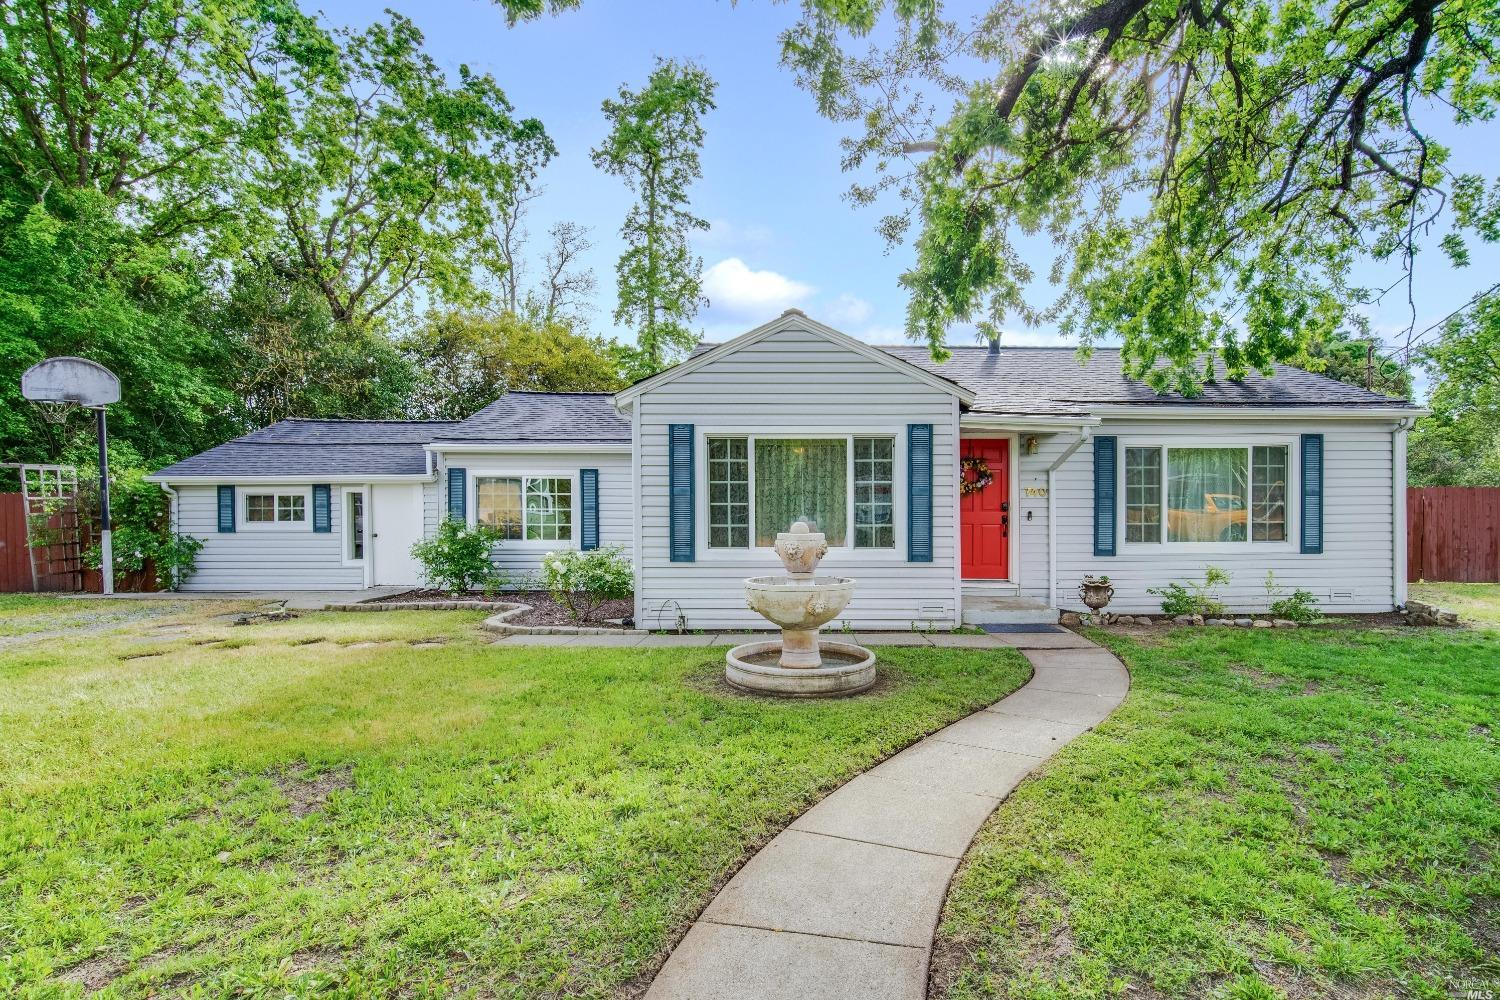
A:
{"x":520,"y":560}
{"x":257,"y":559}
{"x":1352,"y":574}
{"x":796,"y":381}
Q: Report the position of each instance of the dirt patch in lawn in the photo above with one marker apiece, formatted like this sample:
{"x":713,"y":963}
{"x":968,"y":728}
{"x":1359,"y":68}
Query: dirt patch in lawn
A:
{"x":93,"y":974}
{"x":306,"y":795}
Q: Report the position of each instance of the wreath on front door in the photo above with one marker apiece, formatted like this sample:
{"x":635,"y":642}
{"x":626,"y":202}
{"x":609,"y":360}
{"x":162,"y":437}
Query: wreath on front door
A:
{"x":982,"y":475}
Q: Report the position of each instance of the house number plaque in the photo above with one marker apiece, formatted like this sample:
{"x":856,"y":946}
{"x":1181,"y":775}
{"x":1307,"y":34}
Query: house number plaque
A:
{"x":1034,"y":491}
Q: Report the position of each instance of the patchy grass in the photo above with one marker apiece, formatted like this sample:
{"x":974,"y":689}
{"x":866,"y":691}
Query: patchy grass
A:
{"x":253,"y":812}
{"x":1474,"y":602}
{"x":1287,"y":814}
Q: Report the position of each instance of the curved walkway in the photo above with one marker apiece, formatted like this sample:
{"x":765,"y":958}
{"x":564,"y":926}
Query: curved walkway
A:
{"x":843,"y":904}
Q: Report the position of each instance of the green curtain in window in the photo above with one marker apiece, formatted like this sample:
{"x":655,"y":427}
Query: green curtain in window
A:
{"x":801,"y":480}
{"x":1206,"y":494}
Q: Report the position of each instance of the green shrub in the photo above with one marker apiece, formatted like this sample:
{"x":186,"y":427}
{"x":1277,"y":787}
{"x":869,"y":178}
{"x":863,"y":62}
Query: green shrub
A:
{"x":584,"y":580}
{"x":140,"y":528}
{"x":1195,"y":598}
{"x":1301,"y":607}
{"x":457,"y":558}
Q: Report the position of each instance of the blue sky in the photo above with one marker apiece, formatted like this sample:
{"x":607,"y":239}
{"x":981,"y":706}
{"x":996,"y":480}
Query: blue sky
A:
{"x":782,"y":234}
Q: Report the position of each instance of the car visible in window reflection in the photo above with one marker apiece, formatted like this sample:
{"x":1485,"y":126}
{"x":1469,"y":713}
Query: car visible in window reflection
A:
{"x":1223,"y":517}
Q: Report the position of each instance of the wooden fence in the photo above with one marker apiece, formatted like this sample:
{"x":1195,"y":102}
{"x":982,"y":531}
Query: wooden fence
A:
{"x":60,"y":566}
{"x":1453,"y":533}
{"x":57,"y":565}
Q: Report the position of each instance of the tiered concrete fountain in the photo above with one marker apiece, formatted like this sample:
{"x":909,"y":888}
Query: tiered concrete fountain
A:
{"x":798,"y":665}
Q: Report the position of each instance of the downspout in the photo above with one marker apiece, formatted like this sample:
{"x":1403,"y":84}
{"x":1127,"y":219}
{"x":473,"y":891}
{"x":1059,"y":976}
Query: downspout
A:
{"x":171,"y":512}
{"x":1084,"y":433}
{"x":1398,"y":510}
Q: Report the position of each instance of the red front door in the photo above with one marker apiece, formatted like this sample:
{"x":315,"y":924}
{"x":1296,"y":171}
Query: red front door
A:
{"x":985,"y":515}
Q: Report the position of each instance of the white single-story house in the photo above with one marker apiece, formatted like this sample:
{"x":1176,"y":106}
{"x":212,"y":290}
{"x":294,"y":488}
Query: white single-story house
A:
{"x":1073,"y":470}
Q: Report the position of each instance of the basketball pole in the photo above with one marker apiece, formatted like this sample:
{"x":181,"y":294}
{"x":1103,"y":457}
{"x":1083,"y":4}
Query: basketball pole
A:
{"x":106,"y":545}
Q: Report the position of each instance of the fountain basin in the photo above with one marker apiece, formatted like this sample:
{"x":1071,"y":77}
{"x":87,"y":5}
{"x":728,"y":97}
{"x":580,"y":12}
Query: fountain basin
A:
{"x":799,"y":602}
{"x":844,"y":669}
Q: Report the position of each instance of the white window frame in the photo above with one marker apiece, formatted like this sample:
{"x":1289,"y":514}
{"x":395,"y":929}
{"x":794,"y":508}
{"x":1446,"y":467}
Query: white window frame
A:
{"x":1248,"y":443}
{"x":848,"y":550}
{"x":471,"y":514}
{"x":242,"y":501}
{"x":345,"y":528}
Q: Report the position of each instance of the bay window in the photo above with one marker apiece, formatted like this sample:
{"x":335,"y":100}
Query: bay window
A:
{"x":843,"y":486}
{"x":531,"y":508}
{"x":1190,"y":495}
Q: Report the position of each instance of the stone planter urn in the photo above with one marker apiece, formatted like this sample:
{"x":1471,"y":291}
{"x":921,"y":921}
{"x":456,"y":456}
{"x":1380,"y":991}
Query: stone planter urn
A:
{"x":1096,"y":592}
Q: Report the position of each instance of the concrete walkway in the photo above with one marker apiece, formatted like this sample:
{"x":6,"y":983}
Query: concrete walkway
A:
{"x":843,"y":904}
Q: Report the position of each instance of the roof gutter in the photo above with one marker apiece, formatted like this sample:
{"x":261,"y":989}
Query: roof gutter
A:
{"x":1024,"y":422}
{"x":1084,"y":433}
{"x":414,"y":477}
{"x":467,"y":447}
{"x":1149,"y":411}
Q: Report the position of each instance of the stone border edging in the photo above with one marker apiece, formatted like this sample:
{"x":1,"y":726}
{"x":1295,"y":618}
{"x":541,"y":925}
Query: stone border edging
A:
{"x":844,"y":903}
{"x":430,"y":606}
{"x":497,"y":623}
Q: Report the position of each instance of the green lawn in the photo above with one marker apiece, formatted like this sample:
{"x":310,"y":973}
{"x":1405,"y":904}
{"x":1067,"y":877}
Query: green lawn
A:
{"x":1285,"y":814}
{"x":1475,"y":602}
{"x":281,"y":809}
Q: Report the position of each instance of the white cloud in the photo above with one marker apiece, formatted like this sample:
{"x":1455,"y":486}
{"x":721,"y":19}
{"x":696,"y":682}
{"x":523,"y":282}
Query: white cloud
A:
{"x":881,"y":334}
{"x":732,"y":286}
{"x":848,"y":310}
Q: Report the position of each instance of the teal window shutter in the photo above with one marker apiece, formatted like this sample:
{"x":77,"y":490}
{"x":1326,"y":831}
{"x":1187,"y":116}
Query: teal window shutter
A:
{"x":919,"y":493}
{"x":588,"y":483}
{"x":226,"y":508}
{"x":1106,"y":456}
{"x":322,"y":516}
{"x":680,"y":492}
{"x":458,"y":484}
{"x":1312,"y":494}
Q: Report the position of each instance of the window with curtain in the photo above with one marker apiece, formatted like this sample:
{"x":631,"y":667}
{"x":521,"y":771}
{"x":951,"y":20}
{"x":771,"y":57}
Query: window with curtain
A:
{"x":801,"y":479}
{"x":874,"y":507}
{"x":1233,"y":494}
{"x":497,"y":502}
{"x":728,"y":493}
{"x":1206,"y":490}
{"x":758,"y":487}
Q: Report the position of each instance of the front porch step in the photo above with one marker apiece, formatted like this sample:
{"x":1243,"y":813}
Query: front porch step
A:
{"x":985,"y":610}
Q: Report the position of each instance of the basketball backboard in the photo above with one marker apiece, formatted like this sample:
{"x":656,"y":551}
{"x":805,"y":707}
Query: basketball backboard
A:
{"x":70,"y":380}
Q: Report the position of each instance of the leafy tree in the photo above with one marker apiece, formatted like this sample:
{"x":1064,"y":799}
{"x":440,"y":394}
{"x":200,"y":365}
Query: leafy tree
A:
{"x":1459,"y":443}
{"x":1209,"y":171}
{"x":380,"y":176}
{"x":124,"y":98}
{"x":1357,"y":359}
{"x":653,"y":143}
{"x":74,"y":280}
{"x":467,"y":361}
{"x":291,"y":362}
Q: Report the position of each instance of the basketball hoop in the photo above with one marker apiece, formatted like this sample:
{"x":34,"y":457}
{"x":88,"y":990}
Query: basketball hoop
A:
{"x":59,"y":385}
{"x":55,"y":411}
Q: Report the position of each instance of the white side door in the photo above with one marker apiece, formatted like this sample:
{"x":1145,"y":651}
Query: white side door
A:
{"x":395,"y":526}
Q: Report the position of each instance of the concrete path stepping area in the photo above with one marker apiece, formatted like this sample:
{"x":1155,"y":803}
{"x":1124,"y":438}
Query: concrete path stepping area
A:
{"x":843,"y":904}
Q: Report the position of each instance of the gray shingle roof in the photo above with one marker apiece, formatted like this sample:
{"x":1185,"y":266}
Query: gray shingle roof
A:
{"x":300,"y":448}
{"x":541,"y":417}
{"x":1047,"y":380}
{"x":1050,"y":381}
